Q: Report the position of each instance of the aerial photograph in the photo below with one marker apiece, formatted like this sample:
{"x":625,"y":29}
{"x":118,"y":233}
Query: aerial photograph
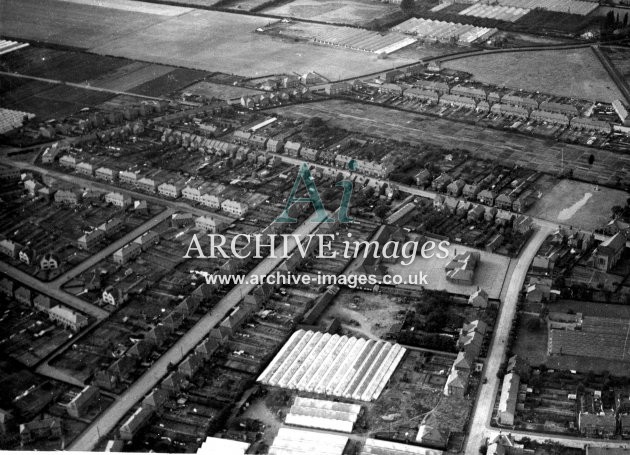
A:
{"x":315,"y":227}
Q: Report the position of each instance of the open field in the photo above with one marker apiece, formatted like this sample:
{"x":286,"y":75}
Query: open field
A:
{"x":353,"y":12}
{"x":199,"y":39}
{"x":538,"y":20}
{"x":130,"y":76}
{"x":578,"y":204}
{"x":64,"y":65}
{"x":195,"y":3}
{"x":133,"y":6}
{"x":525,"y":151}
{"x":564,"y":6}
{"x":368,"y":314}
{"x":620,"y":59}
{"x":489,"y":275}
{"x":46,"y":100}
{"x":221,"y":91}
{"x":572,"y":73}
{"x":70,"y":24}
{"x":111,"y":73}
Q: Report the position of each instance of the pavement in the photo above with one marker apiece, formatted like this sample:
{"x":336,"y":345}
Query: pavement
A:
{"x":484,"y":407}
{"x":107,"y":421}
{"x":482,"y":412}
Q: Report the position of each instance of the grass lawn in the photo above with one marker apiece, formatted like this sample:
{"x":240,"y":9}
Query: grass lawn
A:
{"x":578,"y":204}
{"x":572,"y":73}
{"x":221,"y":91}
{"x":531,"y":341}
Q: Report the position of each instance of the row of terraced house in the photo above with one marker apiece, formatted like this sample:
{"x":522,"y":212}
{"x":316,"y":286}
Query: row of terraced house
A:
{"x":56,"y":312}
{"x":516,"y":197}
{"x":524,"y":108}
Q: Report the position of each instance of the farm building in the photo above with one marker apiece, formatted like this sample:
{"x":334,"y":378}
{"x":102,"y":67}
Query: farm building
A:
{"x":497,"y":12}
{"x":441,"y":31}
{"x":361,"y":39}
{"x":508,"y":399}
{"x":213,"y":446}
{"x":378,"y":446}
{"x":622,"y":112}
{"x":582,"y":8}
{"x":333,"y":365}
{"x":10,"y":119}
{"x":323,"y":414}
{"x":290,"y":441}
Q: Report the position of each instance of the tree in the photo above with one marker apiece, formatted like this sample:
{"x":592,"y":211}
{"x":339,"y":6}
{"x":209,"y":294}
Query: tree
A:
{"x":380,"y":211}
{"x":625,"y":20}
{"x":591,"y":159}
{"x":369,"y":193}
{"x":407,"y":5}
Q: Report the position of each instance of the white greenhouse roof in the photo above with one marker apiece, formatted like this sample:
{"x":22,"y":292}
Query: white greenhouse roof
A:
{"x":340,"y":366}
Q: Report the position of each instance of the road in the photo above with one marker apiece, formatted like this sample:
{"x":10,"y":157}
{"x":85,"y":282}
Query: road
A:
{"x":484,"y":406}
{"x":104,"y":186}
{"x":52,"y":292}
{"x":111,"y":248}
{"x":567,"y":441}
{"x":542,"y":223}
{"x":53,"y":289}
{"x":108,"y":419}
{"x":82,"y":86}
{"x":482,"y":412}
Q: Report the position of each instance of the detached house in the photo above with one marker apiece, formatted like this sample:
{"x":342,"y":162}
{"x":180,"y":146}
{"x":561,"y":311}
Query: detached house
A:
{"x":608,"y":253}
